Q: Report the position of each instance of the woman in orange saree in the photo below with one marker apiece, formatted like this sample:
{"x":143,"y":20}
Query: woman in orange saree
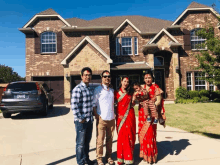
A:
{"x":148,"y":130}
{"x":125,"y":123}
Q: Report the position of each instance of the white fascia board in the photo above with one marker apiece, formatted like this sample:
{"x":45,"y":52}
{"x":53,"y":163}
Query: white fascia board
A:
{"x":129,"y":22}
{"x":109,"y":60}
{"x":167,"y":33}
{"x":36,"y":16}
{"x":194,"y":9}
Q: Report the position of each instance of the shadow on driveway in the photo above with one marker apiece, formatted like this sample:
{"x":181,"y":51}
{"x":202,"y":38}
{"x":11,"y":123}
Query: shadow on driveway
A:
{"x":56,"y":111}
{"x":210,"y":135}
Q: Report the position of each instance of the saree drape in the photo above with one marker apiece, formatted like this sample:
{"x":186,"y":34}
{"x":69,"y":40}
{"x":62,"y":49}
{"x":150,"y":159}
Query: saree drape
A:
{"x":126,"y":128}
{"x":148,"y":131}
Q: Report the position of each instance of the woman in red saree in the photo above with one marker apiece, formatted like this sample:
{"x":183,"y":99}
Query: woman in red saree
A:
{"x":125,"y":123}
{"x":148,"y":130}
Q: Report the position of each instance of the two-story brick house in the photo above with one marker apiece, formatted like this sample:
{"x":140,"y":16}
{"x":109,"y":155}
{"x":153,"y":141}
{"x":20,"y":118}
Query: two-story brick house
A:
{"x":57,"y":49}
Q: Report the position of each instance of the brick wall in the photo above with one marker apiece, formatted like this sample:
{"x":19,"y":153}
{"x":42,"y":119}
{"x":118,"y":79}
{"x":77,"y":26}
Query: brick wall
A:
{"x":39,"y":64}
{"x":193,"y":20}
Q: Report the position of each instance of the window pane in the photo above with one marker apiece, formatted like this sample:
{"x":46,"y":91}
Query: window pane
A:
{"x":158,"y":61}
{"x":196,"y":41}
{"x":117,"y":46}
{"x":135,"y":46}
{"x":48,"y":42}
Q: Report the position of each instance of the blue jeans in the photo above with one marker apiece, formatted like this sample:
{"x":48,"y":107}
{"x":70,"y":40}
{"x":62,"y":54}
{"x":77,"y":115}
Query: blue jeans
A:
{"x":83,"y":137}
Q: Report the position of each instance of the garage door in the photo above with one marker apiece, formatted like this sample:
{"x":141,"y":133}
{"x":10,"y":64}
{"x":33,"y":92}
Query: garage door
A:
{"x":55,"y":83}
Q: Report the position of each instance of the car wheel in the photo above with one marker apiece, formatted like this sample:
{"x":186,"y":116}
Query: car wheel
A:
{"x":51,"y":106}
{"x":6,"y":115}
{"x":45,"y":109}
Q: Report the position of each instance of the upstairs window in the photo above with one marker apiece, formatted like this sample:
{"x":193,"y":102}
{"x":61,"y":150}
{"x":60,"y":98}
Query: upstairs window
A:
{"x":127,"y":46}
{"x":196,"y":41}
{"x":48,"y":42}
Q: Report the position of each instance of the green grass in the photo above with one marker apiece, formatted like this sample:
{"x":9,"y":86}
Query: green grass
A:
{"x":200,"y":118}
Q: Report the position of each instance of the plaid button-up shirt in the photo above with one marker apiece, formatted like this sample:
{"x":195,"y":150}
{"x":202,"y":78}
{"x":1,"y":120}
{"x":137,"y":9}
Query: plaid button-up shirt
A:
{"x":81,"y":102}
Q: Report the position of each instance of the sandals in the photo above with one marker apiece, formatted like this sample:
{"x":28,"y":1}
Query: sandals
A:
{"x":110,"y":161}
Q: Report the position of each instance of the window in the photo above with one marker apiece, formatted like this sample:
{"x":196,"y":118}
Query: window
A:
{"x":135,"y":46}
{"x":48,"y":42}
{"x":211,"y":87}
{"x":199,"y":83}
{"x":196,"y":41}
{"x":158,"y":61}
{"x":125,"y":46}
{"x":189,"y":81}
{"x":117,"y":46}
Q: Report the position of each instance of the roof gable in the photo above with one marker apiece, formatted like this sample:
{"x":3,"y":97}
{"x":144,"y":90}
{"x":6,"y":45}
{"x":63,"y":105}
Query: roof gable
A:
{"x":167,"y":33}
{"x":194,"y":6}
{"x":197,"y":5}
{"x":46,"y":13}
{"x":123,"y":23}
{"x":64,"y":62}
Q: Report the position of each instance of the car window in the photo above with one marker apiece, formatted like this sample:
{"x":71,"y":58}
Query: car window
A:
{"x":22,"y":86}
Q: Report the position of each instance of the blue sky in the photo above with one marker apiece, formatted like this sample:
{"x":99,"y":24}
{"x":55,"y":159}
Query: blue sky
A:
{"x":15,"y":14}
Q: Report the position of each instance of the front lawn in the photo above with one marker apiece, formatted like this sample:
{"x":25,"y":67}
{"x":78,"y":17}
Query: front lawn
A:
{"x":201,"y":118}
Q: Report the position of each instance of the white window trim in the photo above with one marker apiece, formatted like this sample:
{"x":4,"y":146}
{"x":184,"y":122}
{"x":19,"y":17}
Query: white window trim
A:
{"x":191,"y":80}
{"x":117,"y":39}
{"x":163,"y":61}
{"x":194,"y":40}
{"x":126,"y":46}
{"x":48,"y":43}
{"x":137,"y":45}
{"x":199,"y":85}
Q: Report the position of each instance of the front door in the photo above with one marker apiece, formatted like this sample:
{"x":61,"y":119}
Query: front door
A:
{"x":159,"y":79}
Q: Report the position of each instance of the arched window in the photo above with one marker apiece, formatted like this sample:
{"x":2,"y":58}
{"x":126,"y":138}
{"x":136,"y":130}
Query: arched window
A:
{"x":48,"y":42}
{"x":158,"y":61}
{"x":196,"y":41}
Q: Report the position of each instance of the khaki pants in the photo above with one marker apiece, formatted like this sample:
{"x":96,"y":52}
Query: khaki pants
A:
{"x":104,"y":127}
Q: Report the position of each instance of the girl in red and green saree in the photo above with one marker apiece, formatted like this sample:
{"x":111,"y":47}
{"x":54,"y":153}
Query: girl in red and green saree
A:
{"x":147,"y":130}
{"x":125,"y":123}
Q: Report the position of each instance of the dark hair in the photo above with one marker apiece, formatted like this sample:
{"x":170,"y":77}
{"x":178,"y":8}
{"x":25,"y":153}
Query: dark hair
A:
{"x":105,"y":72}
{"x":128,"y":89}
{"x":84,"y":69}
{"x":136,"y":83}
{"x":150,"y":73}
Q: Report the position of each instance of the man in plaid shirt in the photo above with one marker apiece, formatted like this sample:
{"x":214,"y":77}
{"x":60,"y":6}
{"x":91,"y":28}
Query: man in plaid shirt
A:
{"x":81,"y":104}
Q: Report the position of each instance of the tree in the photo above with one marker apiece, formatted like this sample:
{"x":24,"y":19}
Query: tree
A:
{"x":209,"y":59}
{"x":8,"y":75}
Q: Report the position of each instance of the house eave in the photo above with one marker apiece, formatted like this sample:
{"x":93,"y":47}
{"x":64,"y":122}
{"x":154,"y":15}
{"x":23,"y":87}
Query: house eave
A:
{"x":26,"y":30}
{"x":92,"y":28}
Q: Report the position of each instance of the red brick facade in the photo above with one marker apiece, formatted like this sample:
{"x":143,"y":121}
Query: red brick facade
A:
{"x":38,"y":64}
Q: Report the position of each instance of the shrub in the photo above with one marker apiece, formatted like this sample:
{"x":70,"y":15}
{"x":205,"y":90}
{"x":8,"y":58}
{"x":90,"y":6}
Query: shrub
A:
{"x":217,"y":100}
{"x":181,"y":93}
{"x":196,"y":99}
{"x":204,"y":99}
{"x":204,"y":93}
{"x":214,"y":94}
{"x":190,"y":101}
{"x":193,"y":94}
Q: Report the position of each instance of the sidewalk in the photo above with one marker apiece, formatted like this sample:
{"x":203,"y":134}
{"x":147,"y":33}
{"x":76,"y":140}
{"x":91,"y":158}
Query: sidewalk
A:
{"x":53,"y":142}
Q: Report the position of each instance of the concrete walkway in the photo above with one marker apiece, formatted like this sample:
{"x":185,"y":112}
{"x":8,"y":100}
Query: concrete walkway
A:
{"x":29,"y":139}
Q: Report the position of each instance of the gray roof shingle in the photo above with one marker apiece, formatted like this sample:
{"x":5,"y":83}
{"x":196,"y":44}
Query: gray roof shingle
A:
{"x":144,"y":24}
{"x":48,"y":12}
{"x":197,"y":5}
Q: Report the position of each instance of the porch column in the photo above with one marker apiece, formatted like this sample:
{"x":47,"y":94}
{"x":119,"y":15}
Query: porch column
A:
{"x":151,"y":60}
{"x":176,"y":70}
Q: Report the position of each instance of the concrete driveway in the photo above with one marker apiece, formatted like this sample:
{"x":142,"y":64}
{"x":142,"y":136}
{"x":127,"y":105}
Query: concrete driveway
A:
{"x":29,"y":139}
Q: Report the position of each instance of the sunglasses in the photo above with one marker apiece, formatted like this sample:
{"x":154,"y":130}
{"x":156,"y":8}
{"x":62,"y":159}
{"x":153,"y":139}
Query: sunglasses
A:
{"x":106,"y":76}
